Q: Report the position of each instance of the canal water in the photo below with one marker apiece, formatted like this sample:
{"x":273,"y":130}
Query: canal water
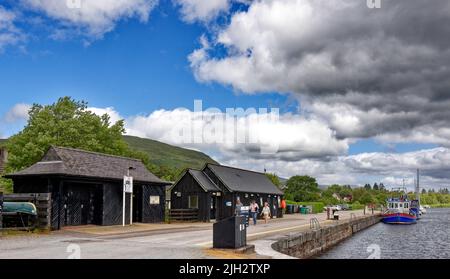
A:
{"x":428,"y":239}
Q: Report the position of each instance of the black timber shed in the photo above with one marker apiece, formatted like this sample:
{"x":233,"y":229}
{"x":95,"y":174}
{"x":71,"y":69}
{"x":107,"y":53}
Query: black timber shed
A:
{"x":87,"y":188}
{"x":215,"y":189}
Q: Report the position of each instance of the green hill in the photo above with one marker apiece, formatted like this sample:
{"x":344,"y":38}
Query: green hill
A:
{"x":163,"y":154}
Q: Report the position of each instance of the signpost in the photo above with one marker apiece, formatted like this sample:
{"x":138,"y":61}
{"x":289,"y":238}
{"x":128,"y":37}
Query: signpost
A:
{"x":127,"y":188}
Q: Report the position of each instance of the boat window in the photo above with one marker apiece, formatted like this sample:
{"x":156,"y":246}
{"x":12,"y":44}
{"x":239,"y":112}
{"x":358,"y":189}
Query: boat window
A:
{"x":401,"y":205}
{"x":396,"y":205}
{"x":406,"y":205}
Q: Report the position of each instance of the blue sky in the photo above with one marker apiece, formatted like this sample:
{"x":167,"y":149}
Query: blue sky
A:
{"x":136,"y":66}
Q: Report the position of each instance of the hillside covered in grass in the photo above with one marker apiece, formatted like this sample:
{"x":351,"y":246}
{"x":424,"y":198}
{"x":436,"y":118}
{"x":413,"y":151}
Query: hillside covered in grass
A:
{"x":162,"y":154}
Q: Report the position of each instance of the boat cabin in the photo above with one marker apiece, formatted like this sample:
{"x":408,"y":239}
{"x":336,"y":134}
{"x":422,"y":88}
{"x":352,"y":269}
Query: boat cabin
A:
{"x":398,"y":204}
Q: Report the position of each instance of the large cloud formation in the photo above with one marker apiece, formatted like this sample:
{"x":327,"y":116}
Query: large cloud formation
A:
{"x":305,"y":146}
{"x":367,"y":72}
{"x":269,"y":136}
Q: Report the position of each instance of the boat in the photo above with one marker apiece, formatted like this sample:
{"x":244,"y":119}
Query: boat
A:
{"x":401,"y":210}
{"x":14,"y":208}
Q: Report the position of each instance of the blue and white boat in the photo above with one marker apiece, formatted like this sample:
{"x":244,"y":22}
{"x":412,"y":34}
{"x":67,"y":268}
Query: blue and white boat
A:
{"x":401,"y":210}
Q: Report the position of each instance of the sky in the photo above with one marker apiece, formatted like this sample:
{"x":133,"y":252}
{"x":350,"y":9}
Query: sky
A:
{"x":343,"y":91}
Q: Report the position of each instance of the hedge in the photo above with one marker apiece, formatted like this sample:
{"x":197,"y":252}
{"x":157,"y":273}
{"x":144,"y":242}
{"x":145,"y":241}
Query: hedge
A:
{"x":316,"y":206}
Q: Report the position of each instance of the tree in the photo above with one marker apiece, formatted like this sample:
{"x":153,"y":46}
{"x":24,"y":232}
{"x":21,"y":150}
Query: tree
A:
{"x":367,"y":187}
{"x":302,"y":189}
{"x":367,"y":198}
{"x":382,"y":187}
{"x":375,"y":187}
{"x":66,"y":123}
{"x":275,"y":179}
{"x":424,"y":191}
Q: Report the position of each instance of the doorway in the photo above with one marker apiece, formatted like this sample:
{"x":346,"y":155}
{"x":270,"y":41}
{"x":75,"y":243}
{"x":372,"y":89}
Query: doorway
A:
{"x":81,"y":204}
{"x":212,"y":215}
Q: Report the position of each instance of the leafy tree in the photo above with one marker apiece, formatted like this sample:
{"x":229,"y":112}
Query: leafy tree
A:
{"x":367,"y":187}
{"x":375,"y":187}
{"x":382,"y":187}
{"x":275,"y":179}
{"x":66,"y":123}
{"x":302,"y":188}
{"x":424,"y":191}
{"x":366,"y":198}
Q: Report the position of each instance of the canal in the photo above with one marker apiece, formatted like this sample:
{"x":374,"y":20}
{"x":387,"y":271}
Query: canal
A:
{"x":428,"y":239}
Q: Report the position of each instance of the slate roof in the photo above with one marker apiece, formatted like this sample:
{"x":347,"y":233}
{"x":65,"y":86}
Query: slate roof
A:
{"x":203,"y":180}
{"x":81,"y":163}
{"x":240,"y":180}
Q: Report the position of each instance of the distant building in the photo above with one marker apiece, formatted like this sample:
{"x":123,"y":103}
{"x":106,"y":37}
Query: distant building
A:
{"x":348,"y":198}
{"x":3,"y":158}
{"x":336,"y":196}
{"x":213,"y":191}
{"x":87,"y":188}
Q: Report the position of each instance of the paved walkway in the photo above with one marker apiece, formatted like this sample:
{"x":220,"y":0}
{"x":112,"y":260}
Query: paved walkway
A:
{"x":179,"y":241}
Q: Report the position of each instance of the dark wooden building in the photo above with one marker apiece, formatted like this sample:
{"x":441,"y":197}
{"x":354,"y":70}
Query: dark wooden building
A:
{"x":87,"y":188}
{"x":215,"y":189}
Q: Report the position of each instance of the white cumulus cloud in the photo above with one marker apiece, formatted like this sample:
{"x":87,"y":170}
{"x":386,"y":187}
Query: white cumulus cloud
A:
{"x":10,"y":34}
{"x":201,"y":10}
{"x":88,"y":17}
{"x":18,"y":112}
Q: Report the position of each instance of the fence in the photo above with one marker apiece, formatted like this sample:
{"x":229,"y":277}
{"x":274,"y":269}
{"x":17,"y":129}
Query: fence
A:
{"x":43,"y":204}
{"x":184,"y":215}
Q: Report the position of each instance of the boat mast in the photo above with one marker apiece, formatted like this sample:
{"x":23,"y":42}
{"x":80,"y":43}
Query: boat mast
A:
{"x":418,"y":186}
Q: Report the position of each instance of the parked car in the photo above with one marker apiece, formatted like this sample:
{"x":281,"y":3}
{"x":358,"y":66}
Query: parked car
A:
{"x":334,"y":207}
{"x":345,"y":207}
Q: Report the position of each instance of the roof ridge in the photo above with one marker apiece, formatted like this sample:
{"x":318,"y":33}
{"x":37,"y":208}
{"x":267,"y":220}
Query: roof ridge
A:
{"x":96,"y":153}
{"x":205,"y":175}
{"x":229,"y":167}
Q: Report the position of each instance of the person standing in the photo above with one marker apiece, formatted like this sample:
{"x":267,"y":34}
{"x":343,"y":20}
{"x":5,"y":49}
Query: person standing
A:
{"x":237,"y":210}
{"x":254,"y":209}
{"x":283,"y":206}
{"x":266,"y":212}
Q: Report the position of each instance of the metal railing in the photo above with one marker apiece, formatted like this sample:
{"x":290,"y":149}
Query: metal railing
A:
{"x":314,"y":224}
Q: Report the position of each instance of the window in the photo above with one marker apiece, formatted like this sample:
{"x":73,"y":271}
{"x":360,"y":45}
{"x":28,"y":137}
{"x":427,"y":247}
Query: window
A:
{"x":401,"y":205}
{"x":396,"y":205}
{"x":406,"y":205}
{"x":193,"y":202}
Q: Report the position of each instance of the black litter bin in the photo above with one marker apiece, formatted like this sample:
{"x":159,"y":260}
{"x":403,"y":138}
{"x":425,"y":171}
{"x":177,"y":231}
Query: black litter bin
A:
{"x":290,"y":209}
{"x":230,"y":233}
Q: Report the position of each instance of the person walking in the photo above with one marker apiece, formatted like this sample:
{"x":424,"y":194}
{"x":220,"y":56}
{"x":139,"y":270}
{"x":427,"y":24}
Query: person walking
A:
{"x":266,"y":212}
{"x":254,"y":209}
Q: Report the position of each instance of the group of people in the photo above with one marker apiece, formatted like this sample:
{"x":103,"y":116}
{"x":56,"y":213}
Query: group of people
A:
{"x":254,"y":210}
